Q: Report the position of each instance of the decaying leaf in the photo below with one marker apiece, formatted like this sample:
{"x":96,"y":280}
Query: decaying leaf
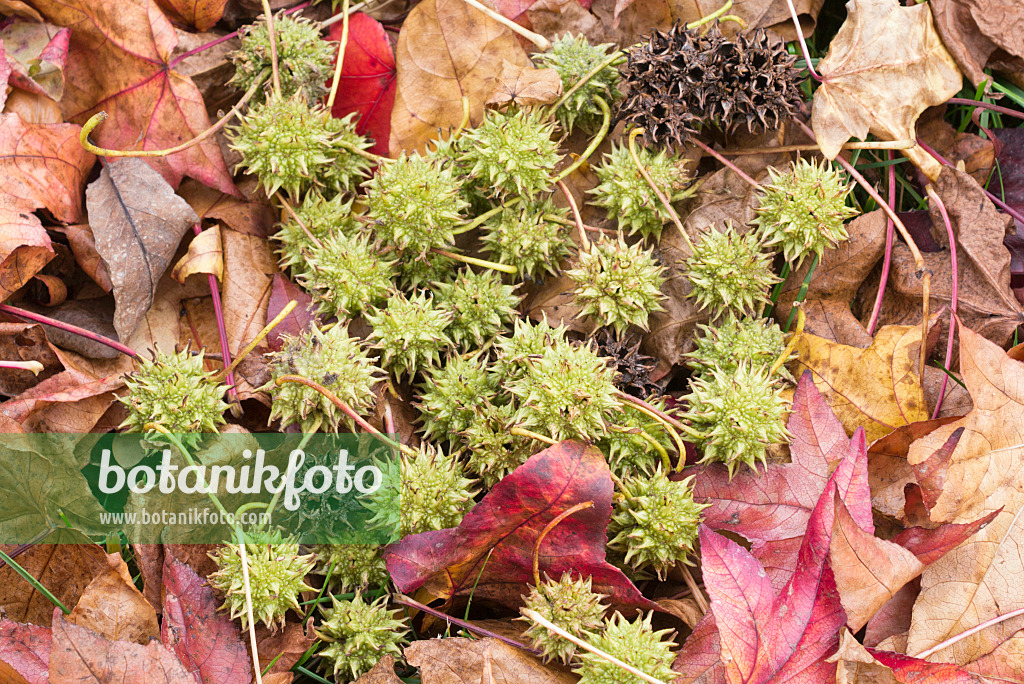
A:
{"x":858,"y":664}
{"x":38,"y":54}
{"x":884,"y":67}
{"x":463,"y":661}
{"x":24,"y":653}
{"x":973,"y":31}
{"x":65,"y":569}
{"x":446,"y":51}
{"x":199,"y":14}
{"x":112,"y":607}
{"x":875,"y":388}
{"x":137,"y":221}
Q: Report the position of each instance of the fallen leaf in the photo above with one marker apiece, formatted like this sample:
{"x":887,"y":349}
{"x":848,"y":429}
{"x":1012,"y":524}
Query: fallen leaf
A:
{"x":446,"y":51}
{"x":80,"y":655}
{"x":977,"y":154}
{"x":973,"y":31}
{"x":24,"y":653}
{"x":245,"y":216}
{"x":832,"y":320}
{"x":284,"y":647}
{"x":860,"y":665}
{"x":206,"y":640}
{"x":982,"y":578}
{"x":888,"y":467}
{"x":986,"y":303}
{"x":249,"y":266}
{"x":199,"y":14}
{"x":894,"y":395}
{"x":842,"y":270}
{"x":205,"y":255}
{"x":83,"y":245}
{"x":38,"y":53}
{"x":282,"y":292}
{"x":24,"y":342}
{"x":18,"y":8}
{"x":368,"y":79}
{"x":71,"y":401}
{"x":43,"y":166}
{"x":491,"y":552}
{"x":894,"y":617}
{"x":64,"y":569}
{"x":382,"y":673}
{"x":771,"y":509}
{"x":461,"y":661}
{"x":127,"y":74}
{"x":884,"y":67}
{"x":112,"y":607}
{"x":525,"y":86}
{"x":137,"y":221}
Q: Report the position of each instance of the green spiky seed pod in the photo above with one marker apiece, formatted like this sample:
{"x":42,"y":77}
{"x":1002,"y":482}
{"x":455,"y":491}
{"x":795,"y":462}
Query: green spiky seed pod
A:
{"x":493,"y":451}
{"x":523,"y":237}
{"x":277,"y":573}
{"x":628,"y":198}
{"x":433,"y":268}
{"x":348,"y":274}
{"x":803,"y":211}
{"x":304,"y":59}
{"x":512,"y":154}
{"x":176,"y":392}
{"x":421,"y":493}
{"x":481,"y":306}
{"x":410,"y":332}
{"x":415,"y":204}
{"x":630,"y":452}
{"x":352,"y":566}
{"x":573,"y":58}
{"x":358,"y":634}
{"x":322,"y":218}
{"x":567,"y":392}
{"x":635,"y":643}
{"x":726,"y":345}
{"x":741,"y":412}
{"x":287,"y":144}
{"x":729,"y":272}
{"x":528,"y":339}
{"x":655,"y":522}
{"x":617,"y":284}
{"x":449,"y":398}
{"x":336,"y":361}
{"x":568,"y":603}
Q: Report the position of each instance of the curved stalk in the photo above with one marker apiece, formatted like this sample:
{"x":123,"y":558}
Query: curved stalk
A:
{"x":606,"y":113}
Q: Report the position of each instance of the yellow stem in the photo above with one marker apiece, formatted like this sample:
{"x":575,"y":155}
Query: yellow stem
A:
{"x":341,"y":55}
{"x":657,"y":191}
{"x":99,"y":118}
{"x":781,"y":361}
{"x":482,"y":263}
{"x":542,"y":43}
{"x":272,"y":35}
{"x":523,"y":432}
{"x":260,"y":337}
{"x":606,"y":112}
{"x":711,"y":17}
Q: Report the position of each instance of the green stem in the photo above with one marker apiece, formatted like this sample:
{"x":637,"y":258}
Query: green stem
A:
{"x":523,"y":432}
{"x":666,"y":462}
{"x":36,"y":584}
{"x":711,"y":17}
{"x":803,"y":290}
{"x":482,"y":218}
{"x":473,"y":261}
{"x":606,"y":113}
{"x":612,"y":59}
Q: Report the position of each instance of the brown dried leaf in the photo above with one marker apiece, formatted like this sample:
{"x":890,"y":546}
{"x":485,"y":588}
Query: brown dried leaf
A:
{"x":249,"y":267}
{"x":205,"y":255}
{"x":832,"y":320}
{"x":885,"y":66}
{"x":525,"y":85}
{"x":382,"y":673}
{"x":446,"y":51}
{"x":112,"y":607}
{"x":80,"y":656}
{"x":71,"y":401}
{"x":24,"y":342}
{"x":285,"y":645}
{"x":251,"y":218}
{"x":973,"y":31}
{"x":875,"y":388}
{"x":842,"y":270}
{"x":137,"y":221}
{"x":462,"y":661}
{"x":65,"y":569}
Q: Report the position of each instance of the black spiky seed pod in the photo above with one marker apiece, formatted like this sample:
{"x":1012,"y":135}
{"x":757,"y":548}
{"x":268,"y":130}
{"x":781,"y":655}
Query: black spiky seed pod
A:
{"x":634,"y":368}
{"x":680,"y":80}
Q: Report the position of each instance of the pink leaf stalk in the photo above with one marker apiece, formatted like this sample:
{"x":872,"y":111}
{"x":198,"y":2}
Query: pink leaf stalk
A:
{"x":890,"y":230}
{"x":67,"y":327}
{"x":953,"y":298}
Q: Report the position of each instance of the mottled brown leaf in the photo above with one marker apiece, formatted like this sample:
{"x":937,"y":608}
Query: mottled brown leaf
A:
{"x":525,"y":85}
{"x":464,"y":661}
{"x":112,"y":607}
{"x":24,"y":653}
{"x":205,"y":255}
{"x":137,"y":221}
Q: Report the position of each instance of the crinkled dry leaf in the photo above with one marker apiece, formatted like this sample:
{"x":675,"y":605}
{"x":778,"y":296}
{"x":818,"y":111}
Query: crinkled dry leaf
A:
{"x":249,"y":267}
{"x":38,"y":54}
{"x":112,"y":607}
{"x":974,"y":30}
{"x":525,"y":85}
{"x":64,"y":569}
{"x":199,"y":14}
{"x":832,"y":320}
{"x":877,"y":388}
{"x":462,"y":661}
{"x":860,"y":665}
{"x":885,"y":66}
{"x":986,"y":304}
{"x":205,"y":255}
{"x":446,"y":51}
{"x":382,"y":673}
{"x":24,"y":653}
{"x":137,"y":221}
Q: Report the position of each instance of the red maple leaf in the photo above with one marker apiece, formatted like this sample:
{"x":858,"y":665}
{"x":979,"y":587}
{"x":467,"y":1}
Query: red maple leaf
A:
{"x":491,"y":552}
{"x":368,"y":79}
